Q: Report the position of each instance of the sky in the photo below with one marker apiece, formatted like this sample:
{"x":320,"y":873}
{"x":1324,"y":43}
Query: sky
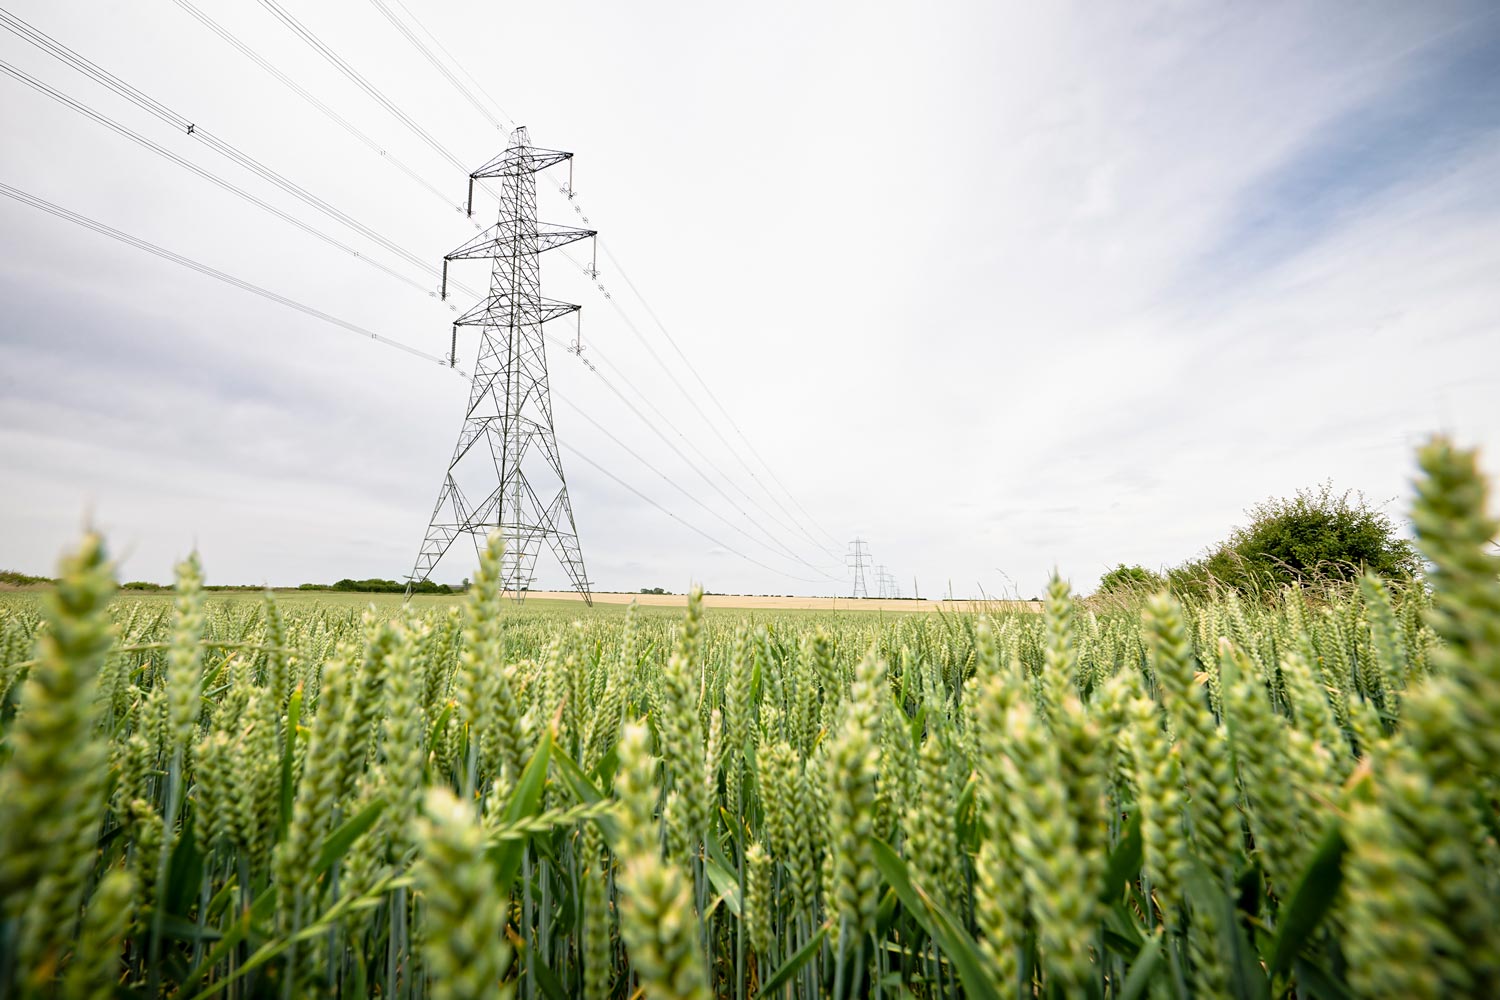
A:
{"x":1000,"y":288}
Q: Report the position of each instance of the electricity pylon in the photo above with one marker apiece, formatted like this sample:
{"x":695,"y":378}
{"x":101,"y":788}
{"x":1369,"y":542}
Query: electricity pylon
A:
{"x":507,"y":452}
{"x":857,"y":560}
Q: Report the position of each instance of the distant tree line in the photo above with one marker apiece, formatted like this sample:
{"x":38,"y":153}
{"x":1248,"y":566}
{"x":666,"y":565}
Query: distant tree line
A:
{"x":378,"y":586}
{"x":372,"y":586}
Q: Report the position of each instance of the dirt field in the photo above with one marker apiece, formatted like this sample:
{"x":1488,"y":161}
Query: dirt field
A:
{"x":793,"y":603}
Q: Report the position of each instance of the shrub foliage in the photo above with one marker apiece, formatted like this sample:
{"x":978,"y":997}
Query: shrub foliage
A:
{"x":1125,"y":579}
{"x":1317,"y":536}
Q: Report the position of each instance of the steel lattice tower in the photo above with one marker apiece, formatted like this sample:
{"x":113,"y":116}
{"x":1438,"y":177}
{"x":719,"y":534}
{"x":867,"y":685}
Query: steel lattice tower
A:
{"x":858,"y":559}
{"x":507,"y":452}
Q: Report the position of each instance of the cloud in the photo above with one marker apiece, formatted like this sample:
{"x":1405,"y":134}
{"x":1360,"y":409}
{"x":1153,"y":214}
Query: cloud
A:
{"x":1438,"y":105}
{"x":999,"y":287}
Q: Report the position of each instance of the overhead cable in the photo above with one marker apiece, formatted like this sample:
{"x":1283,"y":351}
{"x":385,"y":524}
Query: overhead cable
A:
{"x":436,"y":62}
{"x":33,"y":201}
{"x":668,"y":479}
{"x":188,"y":165}
{"x":707,"y":420}
{"x":312,"y":39}
{"x":296,"y":88}
{"x":686,"y":524}
{"x":179,"y":121}
{"x":67,"y":215}
{"x":784,"y":549}
{"x":453,"y":59}
{"x":207,"y":175}
{"x":183,"y":123}
{"x":655,"y":429}
{"x":707,"y":389}
{"x":344,"y":67}
{"x":334,"y":60}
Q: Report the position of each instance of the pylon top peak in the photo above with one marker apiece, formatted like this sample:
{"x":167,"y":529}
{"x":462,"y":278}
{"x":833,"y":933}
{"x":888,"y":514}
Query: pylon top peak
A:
{"x":520,"y":136}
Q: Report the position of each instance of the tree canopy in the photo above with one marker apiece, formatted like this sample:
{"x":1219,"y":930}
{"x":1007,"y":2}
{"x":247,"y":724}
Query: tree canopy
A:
{"x":1317,"y":535}
{"x":1127,"y":578}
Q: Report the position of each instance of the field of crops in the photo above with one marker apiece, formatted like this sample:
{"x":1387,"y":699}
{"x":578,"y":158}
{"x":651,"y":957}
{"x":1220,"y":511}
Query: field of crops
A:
{"x":240,"y":798}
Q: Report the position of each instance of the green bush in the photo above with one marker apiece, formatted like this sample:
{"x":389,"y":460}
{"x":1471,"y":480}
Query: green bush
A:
{"x":14,"y":579}
{"x":1317,"y":536}
{"x":1124,"y":579}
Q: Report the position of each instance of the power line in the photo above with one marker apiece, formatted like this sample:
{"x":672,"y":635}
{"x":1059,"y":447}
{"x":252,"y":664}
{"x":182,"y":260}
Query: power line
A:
{"x":16,"y":194}
{"x":593,"y":275}
{"x":663,"y":420}
{"x":207,"y":175}
{"x":296,"y":88}
{"x":154,"y":147}
{"x":728,"y":548}
{"x":786,"y":550}
{"x":671,"y":482}
{"x":176,"y":120}
{"x":468,"y":95}
{"x":332,"y":57}
{"x":712,"y":395}
{"x":348,"y":70}
{"x":707,"y":420}
{"x":441,"y":534}
{"x":479,"y":86}
{"x":436,"y":63}
{"x":33,"y":201}
{"x":184,"y":124}
{"x":656,"y":429}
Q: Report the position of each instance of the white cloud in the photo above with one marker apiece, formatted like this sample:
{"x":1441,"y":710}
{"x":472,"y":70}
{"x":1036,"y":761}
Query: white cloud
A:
{"x":985,"y":283}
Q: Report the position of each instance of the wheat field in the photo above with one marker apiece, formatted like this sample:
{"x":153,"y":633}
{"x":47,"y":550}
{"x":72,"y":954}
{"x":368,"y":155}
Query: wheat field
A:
{"x":1222,"y":798}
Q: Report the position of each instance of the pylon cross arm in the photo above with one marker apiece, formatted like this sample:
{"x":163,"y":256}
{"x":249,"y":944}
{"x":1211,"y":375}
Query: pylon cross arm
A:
{"x":492,"y":312}
{"x":494,"y":243}
{"x":527,"y":160}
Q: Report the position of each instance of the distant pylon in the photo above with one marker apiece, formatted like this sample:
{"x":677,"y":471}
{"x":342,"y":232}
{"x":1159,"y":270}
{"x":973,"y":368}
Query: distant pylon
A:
{"x":507,"y":452}
{"x":885,"y":583}
{"x":857,"y":560}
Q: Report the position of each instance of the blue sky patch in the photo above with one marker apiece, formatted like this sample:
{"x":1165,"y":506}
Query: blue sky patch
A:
{"x":1446,"y":101}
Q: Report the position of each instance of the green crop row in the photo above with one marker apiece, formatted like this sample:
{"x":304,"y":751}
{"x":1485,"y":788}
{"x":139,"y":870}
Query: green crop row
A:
{"x":246,"y":798}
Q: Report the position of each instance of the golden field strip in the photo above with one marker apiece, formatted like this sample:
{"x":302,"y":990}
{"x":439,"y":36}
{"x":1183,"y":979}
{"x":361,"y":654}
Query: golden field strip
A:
{"x":754,"y":603}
